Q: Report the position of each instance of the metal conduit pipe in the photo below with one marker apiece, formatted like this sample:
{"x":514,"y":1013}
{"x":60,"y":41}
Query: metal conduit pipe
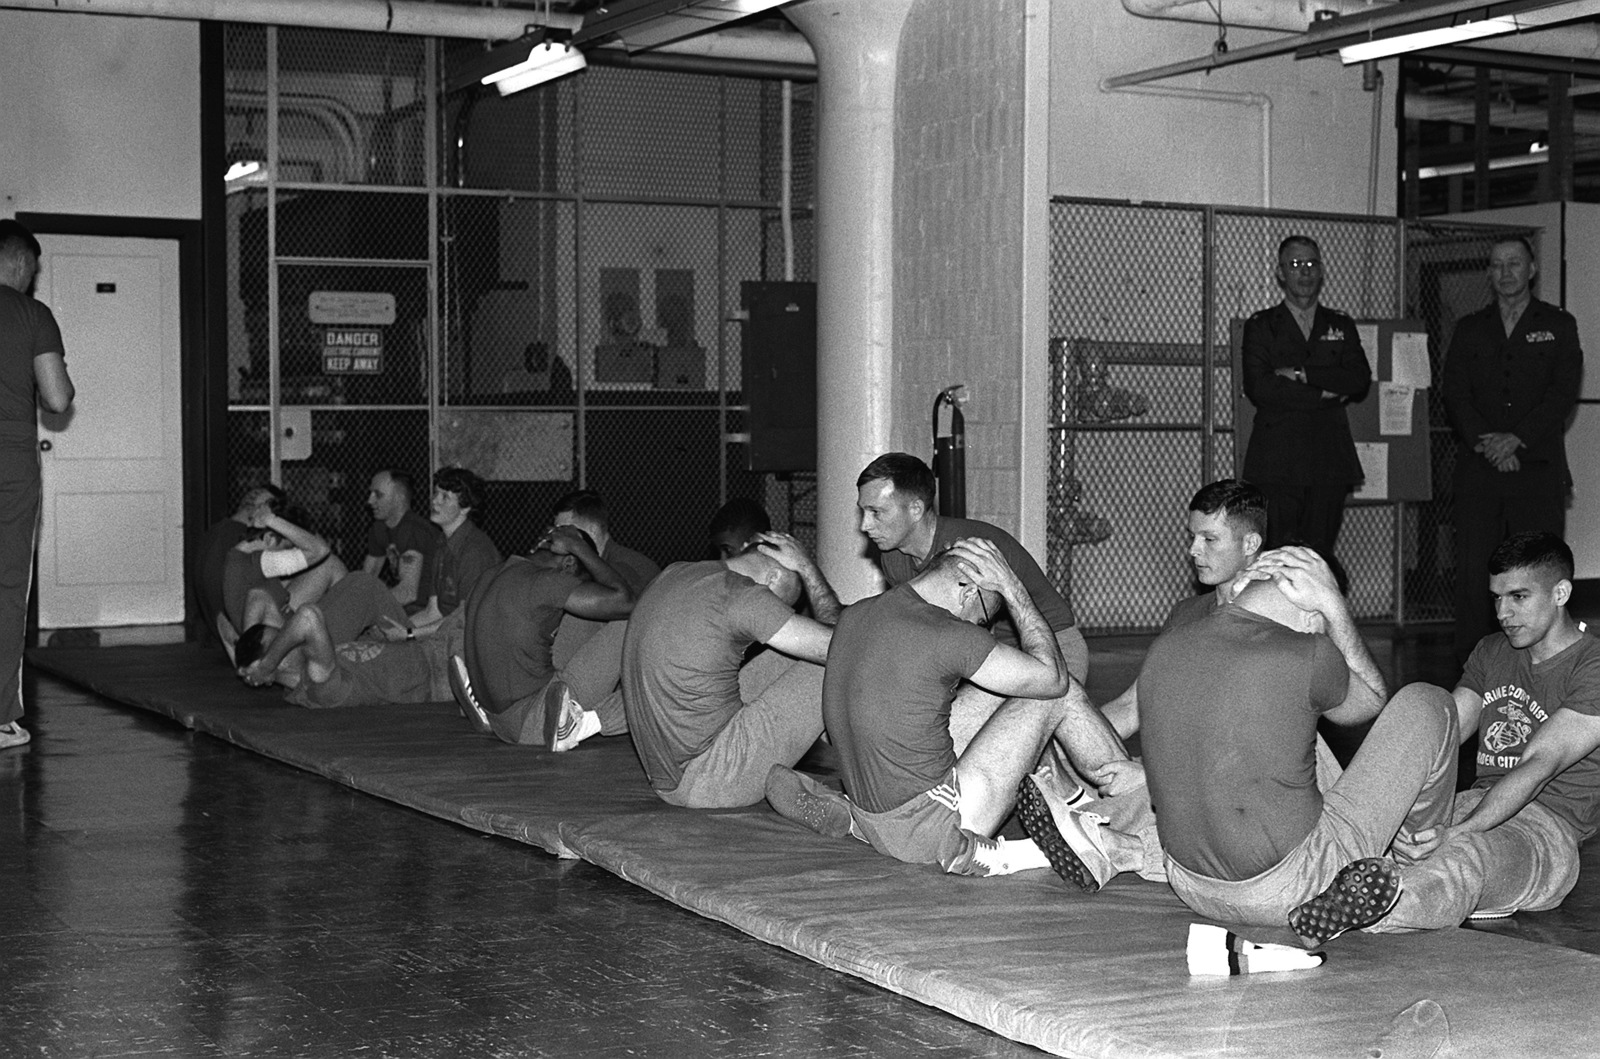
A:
{"x":1291,"y":16}
{"x":789,"y":53}
{"x":410,"y":17}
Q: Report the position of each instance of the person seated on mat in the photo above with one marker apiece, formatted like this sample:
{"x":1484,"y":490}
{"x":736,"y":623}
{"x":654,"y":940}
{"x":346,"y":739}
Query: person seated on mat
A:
{"x":1255,"y":831}
{"x":321,"y":671}
{"x":468,"y":551}
{"x":211,"y":554}
{"x":402,"y":546}
{"x":1530,"y":698}
{"x":264,"y":575}
{"x":1227,"y":523}
{"x":895,"y":494}
{"x":502,"y":679}
{"x":734,"y":525}
{"x":588,"y":654}
{"x":706,"y":725}
{"x":892,"y":674}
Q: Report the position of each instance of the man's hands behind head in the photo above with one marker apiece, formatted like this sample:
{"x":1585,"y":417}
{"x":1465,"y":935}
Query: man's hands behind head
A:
{"x":786,"y":550}
{"x":1303,"y":577}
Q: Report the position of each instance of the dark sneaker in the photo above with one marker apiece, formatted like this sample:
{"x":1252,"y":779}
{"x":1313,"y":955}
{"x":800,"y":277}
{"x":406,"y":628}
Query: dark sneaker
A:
{"x":1362,"y":893}
{"x":1072,"y":842}
{"x":807,"y":802}
{"x":461,"y":688}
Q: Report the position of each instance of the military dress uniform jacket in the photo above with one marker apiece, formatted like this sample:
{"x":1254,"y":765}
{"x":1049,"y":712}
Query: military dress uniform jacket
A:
{"x":1299,"y":436}
{"x":1525,"y":383}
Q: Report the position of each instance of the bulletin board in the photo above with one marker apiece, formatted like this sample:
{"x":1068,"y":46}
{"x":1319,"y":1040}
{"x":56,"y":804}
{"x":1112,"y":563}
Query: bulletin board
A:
{"x":1390,"y":427}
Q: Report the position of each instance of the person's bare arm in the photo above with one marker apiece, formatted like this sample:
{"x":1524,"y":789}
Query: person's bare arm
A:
{"x":311,"y":546}
{"x":1306,"y":581}
{"x":607,"y":597}
{"x":406,"y":589}
{"x":52,"y":382}
{"x":372,"y":564}
{"x":801,"y":637}
{"x":1034,"y":669}
{"x":1469,"y":708}
{"x":792,"y":556}
{"x":307,"y":630}
{"x":1123,"y":711}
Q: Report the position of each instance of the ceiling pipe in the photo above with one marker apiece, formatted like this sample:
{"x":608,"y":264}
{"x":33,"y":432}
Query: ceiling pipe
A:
{"x":1289,"y":16}
{"x":410,"y":17}
{"x":737,"y":49}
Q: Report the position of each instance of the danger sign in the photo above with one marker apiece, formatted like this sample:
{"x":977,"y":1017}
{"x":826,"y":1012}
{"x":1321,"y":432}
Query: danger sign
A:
{"x":352,"y":351}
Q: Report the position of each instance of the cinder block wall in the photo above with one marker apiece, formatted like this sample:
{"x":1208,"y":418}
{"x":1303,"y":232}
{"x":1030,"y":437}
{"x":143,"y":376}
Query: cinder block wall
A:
{"x":958,"y":237}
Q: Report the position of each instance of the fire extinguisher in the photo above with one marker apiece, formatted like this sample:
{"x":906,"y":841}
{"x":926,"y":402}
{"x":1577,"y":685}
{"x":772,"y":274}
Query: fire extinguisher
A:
{"x":950,"y":455}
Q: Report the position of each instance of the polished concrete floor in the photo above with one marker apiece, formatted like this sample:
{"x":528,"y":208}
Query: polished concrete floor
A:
{"x":169,"y":894}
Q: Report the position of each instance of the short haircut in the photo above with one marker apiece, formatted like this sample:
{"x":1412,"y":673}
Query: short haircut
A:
{"x":1237,"y":501}
{"x":1298,"y":240}
{"x":402,"y":481}
{"x":585,"y":504}
{"x":276,"y":497}
{"x":252,"y":645}
{"x":467,"y":487}
{"x":905,"y":472}
{"x":740,"y":517}
{"x":15,"y":238}
{"x":1535,"y":550}
{"x":1520,"y":240}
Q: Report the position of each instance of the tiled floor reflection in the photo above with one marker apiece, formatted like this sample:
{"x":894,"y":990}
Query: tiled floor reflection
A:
{"x":168,"y":894}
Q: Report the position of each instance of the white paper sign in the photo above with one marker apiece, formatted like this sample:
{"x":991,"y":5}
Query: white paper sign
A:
{"x":1409,"y":353}
{"x":1374,"y":457}
{"x":1368,"y":333}
{"x":1394,"y":409}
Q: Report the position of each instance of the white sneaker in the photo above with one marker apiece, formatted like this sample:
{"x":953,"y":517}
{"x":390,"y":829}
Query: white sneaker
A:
{"x":566,"y":723}
{"x":13,"y":734}
{"x":461,"y":688}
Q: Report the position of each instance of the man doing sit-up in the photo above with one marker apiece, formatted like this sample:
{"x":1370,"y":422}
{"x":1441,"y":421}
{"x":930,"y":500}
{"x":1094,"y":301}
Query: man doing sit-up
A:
{"x":892,"y":673}
{"x":503,"y":678}
{"x":706,"y":729}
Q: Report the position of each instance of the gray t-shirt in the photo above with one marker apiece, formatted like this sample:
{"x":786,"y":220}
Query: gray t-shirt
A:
{"x":680,"y":661}
{"x":1519,"y":696}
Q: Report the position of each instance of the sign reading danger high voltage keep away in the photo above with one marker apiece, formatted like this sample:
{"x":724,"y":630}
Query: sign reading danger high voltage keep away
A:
{"x":352,"y":351}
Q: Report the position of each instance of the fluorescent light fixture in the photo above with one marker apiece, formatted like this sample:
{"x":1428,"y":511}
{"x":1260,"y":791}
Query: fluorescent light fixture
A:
{"x":1487,"y":20}
{"x":546,"y":61}
{"x":1538,"y":154}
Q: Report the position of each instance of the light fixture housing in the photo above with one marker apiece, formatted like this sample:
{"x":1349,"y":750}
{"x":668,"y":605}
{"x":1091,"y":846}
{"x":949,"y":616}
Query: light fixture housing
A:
{"x":1423,"y":24}
{"x":546,"y":61}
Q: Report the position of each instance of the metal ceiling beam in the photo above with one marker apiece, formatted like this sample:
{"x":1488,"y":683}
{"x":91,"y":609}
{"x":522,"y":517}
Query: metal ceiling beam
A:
{"x":1511,"y":60}
{"x":410,"y":17}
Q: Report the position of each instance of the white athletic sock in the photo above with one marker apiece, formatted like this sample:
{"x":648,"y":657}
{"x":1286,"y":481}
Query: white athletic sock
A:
{"x":1213,"y":950}
{"x":590,"y":725}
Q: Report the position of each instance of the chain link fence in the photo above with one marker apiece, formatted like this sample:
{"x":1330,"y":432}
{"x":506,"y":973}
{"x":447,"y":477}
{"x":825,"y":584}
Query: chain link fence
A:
{"x":537,"y":287}
{"x":1137,"y":428}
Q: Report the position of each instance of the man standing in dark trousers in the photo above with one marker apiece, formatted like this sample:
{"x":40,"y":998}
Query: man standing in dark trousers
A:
{"x":33,"y":374}
{"x":1303,"y":363}
{"x":1510,"y":385}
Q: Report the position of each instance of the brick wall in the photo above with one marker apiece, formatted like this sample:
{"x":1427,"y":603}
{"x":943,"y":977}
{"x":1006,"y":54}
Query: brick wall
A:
{"x":958,"y":237}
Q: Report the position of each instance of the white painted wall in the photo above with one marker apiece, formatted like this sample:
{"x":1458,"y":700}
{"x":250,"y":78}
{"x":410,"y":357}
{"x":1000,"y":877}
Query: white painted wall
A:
{"x":1124,"y":146}
{"x":102,"y":115}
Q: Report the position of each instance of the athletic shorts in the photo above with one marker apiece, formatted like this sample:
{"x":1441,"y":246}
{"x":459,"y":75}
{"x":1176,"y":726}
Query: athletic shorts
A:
{"x":925,"y":830}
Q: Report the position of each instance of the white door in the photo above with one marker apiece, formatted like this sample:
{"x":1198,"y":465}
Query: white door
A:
{"x":111,"y":535}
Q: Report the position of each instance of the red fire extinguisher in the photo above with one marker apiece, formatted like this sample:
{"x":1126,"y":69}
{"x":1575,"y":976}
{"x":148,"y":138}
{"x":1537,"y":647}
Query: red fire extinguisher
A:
{"x":950,"y":455}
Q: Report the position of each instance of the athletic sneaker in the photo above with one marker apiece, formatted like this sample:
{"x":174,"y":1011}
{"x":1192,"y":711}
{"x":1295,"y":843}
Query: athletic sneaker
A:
{"x":1482,"y":915}
{"x":1072,"y":841}
{"x":566,"y":723}
{"x":807,"y":802}
{"x":1362,"y":893}
{"x":461,"y":688}
{"x":13,"y":734}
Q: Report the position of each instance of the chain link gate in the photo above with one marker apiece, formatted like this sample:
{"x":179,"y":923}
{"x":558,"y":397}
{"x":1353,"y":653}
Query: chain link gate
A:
{"x":1136,"y":429}
{"x":537,"y":287}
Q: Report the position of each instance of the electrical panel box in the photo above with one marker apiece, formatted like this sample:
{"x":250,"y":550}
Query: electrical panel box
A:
{"x":779,"y":353}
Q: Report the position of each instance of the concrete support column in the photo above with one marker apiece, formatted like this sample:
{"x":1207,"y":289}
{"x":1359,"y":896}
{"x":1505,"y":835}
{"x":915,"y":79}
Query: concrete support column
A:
{"x":856,"y":44}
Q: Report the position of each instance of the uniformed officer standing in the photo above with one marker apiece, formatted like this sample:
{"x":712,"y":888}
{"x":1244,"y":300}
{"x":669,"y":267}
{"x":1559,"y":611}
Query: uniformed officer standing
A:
{"x":1510,"y":385}
{"x":1302,"y":364}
